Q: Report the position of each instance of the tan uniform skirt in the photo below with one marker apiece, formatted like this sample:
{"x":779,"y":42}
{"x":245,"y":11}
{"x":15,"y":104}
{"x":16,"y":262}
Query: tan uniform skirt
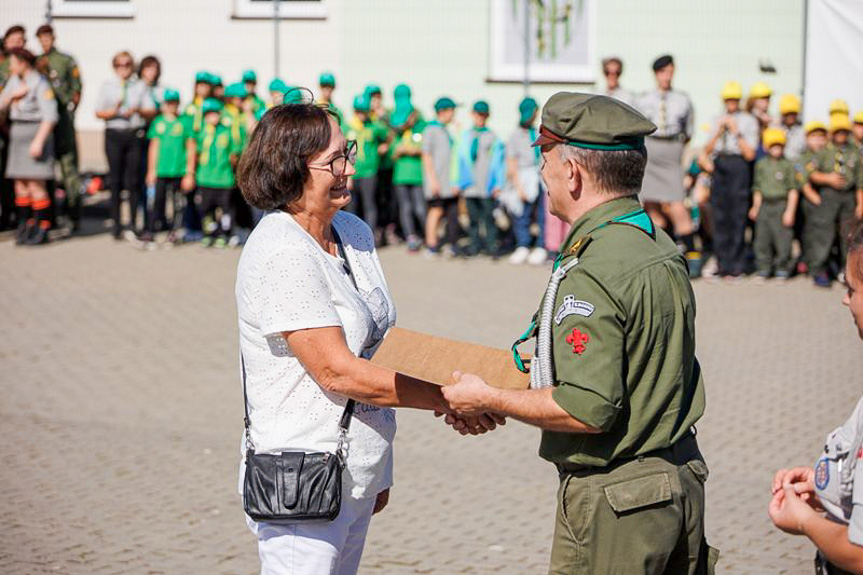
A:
{"x":663,"y":176}
{"x":21,"y":165}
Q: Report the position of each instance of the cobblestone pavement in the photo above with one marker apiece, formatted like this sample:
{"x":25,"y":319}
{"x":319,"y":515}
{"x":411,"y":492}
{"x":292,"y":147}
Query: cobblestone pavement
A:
{"x":121,"y":417}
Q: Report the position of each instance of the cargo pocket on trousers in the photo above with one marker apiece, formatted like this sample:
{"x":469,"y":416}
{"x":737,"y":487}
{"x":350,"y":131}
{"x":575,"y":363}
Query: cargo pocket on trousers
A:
{"x":699,"y":469}
{"x":635,"y":494}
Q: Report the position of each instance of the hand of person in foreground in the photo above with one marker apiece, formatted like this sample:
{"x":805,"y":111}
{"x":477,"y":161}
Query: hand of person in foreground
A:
{"x":789,"y":512}
{"x":469,"y":396}
{"x":802,"y":480}
{"x":473,"y":425}
{"x":381,"y":501}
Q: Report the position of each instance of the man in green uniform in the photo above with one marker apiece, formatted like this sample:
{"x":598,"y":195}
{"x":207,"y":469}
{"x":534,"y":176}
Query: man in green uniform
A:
{"x":838,"y":176}
{"x":616,"y":386}
{"x":65,"y":77}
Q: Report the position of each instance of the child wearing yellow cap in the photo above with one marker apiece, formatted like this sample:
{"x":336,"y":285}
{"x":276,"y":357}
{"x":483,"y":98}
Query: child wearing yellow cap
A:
{"x":774,"y":205}
{"x":789,"y":111}
{"x":838,"y":176}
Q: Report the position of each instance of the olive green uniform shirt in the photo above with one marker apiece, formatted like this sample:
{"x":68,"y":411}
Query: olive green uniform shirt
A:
{"x":804,"y":166}
{"x":63,"y":74}
{"x":623,"y":340}
{"x":774,"y":178}
{"x":844,"y":160}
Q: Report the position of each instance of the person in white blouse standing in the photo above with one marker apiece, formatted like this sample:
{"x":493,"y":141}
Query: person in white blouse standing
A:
{"x":313,"y":305}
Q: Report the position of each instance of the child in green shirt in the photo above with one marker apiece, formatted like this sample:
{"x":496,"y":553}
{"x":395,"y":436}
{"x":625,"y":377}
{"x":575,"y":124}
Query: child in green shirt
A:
{"x":217,"y":152}
{"x":372,"y":141}
{"x":166,"y":163}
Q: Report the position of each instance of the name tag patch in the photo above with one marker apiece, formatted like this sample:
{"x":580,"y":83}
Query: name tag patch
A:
{"x":572,"y":306}
{"x":822,"y":474}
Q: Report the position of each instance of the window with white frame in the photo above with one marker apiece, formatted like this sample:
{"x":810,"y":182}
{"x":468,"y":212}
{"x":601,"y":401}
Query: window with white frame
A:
{"x":92,"y":9}
{"x":300,"y":9}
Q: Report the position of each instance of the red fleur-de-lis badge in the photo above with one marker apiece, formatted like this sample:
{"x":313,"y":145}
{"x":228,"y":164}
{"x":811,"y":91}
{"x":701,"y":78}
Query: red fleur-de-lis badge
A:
{"x":578,"y":340}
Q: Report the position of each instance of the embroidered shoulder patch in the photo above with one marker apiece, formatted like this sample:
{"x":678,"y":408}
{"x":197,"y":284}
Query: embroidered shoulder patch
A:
{"x":578,"y":340}
{"x":572,"y":306}
{"x":822,"y":473}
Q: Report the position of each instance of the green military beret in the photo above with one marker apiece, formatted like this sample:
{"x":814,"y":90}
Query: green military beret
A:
{"x":236,"y":90}
{"x":361,"y":103}
{"x":277,"y":85}
{"x":444,"y":103}
{"x":171,"y":95}
{"x":593,"y":122}
{"x":327,"y":79}
{"x":481,"y":107}
{"x":250,"y":77}
{"x":211,"y":105}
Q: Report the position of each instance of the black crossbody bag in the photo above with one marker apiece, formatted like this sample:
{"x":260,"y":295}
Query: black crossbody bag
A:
{"x":294,"y":486}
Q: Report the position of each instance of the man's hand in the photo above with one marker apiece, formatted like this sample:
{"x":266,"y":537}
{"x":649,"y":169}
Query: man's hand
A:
{"x":789,"y":512}
{"x":469,"y":396}
{"x":187,"y":184}
{"x":835,"y":180}
{"x":753,"y":213}
{"x":381,"y":501}
{"x":473,"y":425}
{"x":788,"y":218}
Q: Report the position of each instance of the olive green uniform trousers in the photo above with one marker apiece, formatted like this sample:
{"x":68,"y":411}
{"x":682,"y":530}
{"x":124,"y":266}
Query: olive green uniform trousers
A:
{"x":644,"y":516}
{"x":772,"y":239}
{"x":823,"y":223}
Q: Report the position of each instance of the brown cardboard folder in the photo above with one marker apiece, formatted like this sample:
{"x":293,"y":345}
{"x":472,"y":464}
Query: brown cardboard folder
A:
{"x":435,"y":358}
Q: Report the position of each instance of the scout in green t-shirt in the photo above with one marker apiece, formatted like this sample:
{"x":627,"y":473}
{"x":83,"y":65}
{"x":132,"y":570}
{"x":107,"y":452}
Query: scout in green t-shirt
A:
{"x":166,"y":164}
{"x":371,"y":138}
{"x":774,"y":205}
{"x":406,"y":151}
{"x":615,"y":384}
{"x":217,"y":153}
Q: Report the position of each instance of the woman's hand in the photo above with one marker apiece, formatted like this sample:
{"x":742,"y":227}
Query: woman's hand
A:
{"x":381,"y":502}
{"x":36,"y":148}
{"x":22,"y":91}
{"x":789,"y":512}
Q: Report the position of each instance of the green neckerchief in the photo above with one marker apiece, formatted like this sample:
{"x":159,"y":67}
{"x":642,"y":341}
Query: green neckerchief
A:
{"x":474,"y":144}
{"x":531,"y":132}
{"x":445,"y":129}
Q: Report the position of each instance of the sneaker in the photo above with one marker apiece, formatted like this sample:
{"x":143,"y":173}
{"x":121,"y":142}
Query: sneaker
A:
{"x":537,"y":257}
{"x":220,"y":243}
{"x":235,"y":241}
{"x":822,"y":280}
{"x":39,"y":237}
{"x":451,"y":252}
{"x":431,"y":253}
{"x":207,"y":241}
{"x":519,"y":256}
{"x":414,"y":244}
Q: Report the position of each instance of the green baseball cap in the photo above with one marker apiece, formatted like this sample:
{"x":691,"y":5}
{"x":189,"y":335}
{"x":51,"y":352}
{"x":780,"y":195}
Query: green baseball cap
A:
{"x":277,"y":85}
{"x":250,"y":76}
{"x":481,"y":107}
{"x":202,"y":77}
{"x":211,"y":105}
{"x":236,"y":90}
{"x":373,"y":90}
{"x":327,"y":79}
{"x":171,"y":95}
{"x":215,"y":80}
{"x":361,"y":103}
{"x":593,"y":122}
{"x":526,"y":109}
{"x":444,"y":103}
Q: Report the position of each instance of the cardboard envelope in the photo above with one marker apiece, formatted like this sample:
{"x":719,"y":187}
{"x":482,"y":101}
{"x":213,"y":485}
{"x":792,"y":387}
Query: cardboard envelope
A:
{"x":435,"y":358}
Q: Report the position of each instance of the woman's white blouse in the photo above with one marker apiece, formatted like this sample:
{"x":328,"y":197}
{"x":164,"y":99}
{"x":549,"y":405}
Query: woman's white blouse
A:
{"x":286,"y":282}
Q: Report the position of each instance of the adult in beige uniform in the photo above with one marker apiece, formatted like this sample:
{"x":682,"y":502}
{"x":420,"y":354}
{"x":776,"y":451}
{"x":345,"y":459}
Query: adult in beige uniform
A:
{"x":612,"y":69}
{"x":662,"y":191}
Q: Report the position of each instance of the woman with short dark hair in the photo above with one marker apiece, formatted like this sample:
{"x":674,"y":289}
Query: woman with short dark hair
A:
{"x":313,"y":305}
{"x":33,"y":113}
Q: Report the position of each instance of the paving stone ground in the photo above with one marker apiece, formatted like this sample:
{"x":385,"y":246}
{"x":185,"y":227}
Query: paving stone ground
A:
{"x":121,"y":417}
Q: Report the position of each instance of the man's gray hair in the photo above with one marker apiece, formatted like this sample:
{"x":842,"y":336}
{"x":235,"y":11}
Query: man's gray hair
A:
{"x":617,"y":173}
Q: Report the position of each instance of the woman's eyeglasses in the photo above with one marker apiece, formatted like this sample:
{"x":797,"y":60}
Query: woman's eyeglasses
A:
{"x":339,"y":164}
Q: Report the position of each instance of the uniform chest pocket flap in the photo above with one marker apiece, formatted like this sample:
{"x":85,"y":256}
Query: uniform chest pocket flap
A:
{"x":635,"y":494}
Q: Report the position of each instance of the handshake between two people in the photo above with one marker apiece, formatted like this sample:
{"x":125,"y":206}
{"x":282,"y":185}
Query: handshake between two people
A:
{"x":470,"y":401}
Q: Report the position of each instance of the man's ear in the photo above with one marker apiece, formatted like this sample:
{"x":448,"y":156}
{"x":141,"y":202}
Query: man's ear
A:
{"x":574,"y":178}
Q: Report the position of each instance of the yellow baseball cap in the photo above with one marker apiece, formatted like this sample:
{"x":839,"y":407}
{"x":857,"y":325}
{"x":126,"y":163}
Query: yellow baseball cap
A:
{"x":838,"y":106}
{"x":760,"y":90}
{"x":772,"y":137}
{"x":858,"y":117}
{"x":732,"y":91}
{"x":813,"y":126}
{"x":839,"y":122}
{"x":789,"y":104}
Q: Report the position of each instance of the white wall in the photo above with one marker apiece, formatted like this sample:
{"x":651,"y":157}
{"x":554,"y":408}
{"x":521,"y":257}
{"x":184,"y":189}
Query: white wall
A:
{"x":436,"y":46}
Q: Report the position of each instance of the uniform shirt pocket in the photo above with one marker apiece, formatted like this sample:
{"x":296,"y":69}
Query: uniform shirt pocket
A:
{"x":635,"y":494}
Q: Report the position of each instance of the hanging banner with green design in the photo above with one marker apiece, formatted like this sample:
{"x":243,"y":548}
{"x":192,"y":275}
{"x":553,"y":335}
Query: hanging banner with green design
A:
{"x":558,"y":39}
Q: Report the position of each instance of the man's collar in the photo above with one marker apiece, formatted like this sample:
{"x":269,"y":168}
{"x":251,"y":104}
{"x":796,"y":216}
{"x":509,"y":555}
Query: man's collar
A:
{"x":601,"y":214}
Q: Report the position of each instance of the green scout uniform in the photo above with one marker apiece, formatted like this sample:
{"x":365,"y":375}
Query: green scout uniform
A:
{"x":616,"y":341}
{"x":408,"y":170}
{"x":774,"y":179}
{"x":172,"y":135}
{"x":369,"y":135}
{"x":65,"y":77}
{"x":194,"y":110}
{"x":215,"y":148}
{"x":837,"y":206}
